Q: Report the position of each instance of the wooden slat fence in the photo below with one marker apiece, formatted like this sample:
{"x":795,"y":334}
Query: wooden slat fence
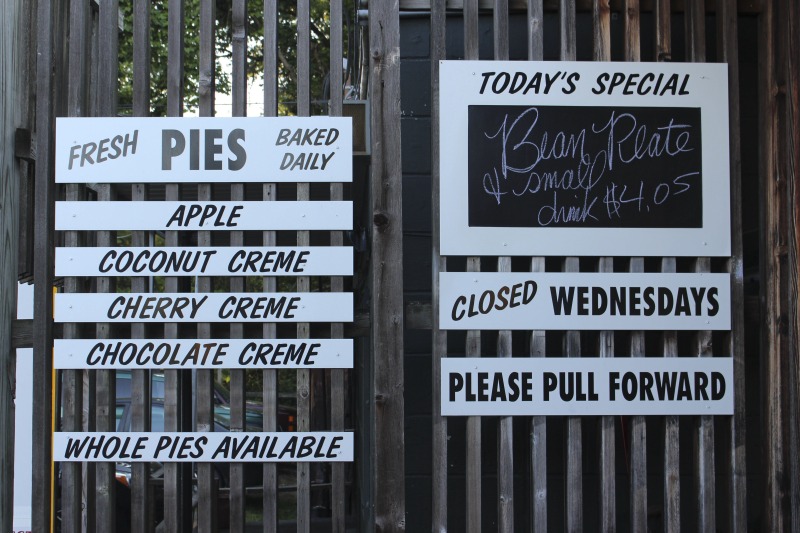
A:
{"x":619,"y":438}
{"x":571,"y":473}
{"x":189,"y":396}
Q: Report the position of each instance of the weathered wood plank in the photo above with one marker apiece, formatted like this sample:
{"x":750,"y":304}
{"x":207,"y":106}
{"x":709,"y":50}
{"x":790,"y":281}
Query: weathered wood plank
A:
{"x":672,"y":480}
{"x":601,"y":22}
{"x":727,"y":22}
{"x":474,"y":445}
{"x":175,"y":30}
{"x":704,"y":437}
{"x":471,"y":36}
{"x":269,"y":193}
{"x":638,"y":428}
{"x":535,"y":30}
{"x":505,"y":438}
{"x":43,"y":271}
{"x":574,"y":444}
{"x":538,"y":344}
{"x":140,"y":395}
{"x":237,"y":500}
{"x":473,"y":338}
{"x":790,"y":143}
{"x":106,"y":380}
{"x":140,"y":379}
{"x":771,"y":311}
{"x":204,"y":380}
{"x":204,"y":400}
{"x":438,"y":265}
{"x":303,"y":282}
{"x":539,"y":434}
{"x":387,"y":261}
{"x":638,"y":437}
{"x":572,"y":339}
{"x":106,"y":396}
{"x":72,"y":381}
{"x":177,"y":495}
{"x":568,"y":44}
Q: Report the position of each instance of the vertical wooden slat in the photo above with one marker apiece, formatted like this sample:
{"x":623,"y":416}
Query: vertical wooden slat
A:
{"x":672,"y":485}
{"x":473,"y":337}
{"x":237,"y":498}
{"x":727,"y":20}
{"x":72,"y":380}
{"x":505,"y":436}
{"x":43,"y":273}
{"x":269,"y":193}
{"x":106,"y":379}
{"x":638,"y":427}
{"x":140,"y":379}
{"x":572,"y":339}
{"x":387,"y":274}
{"x":790,"y":42}
{"x":438,"y":265}
{"x":303,"y":282}
{"x":204,"y":382}
{"x":538,"y":344}
{"x":770,"y":240}
{"x":474,"y":445}
{"x":175,"y":30}
{"x":177,"y":499}
{"x":601,"y":21}
{"x":338,"y":510}
{"x":704,"y":438}
{"x":13,"y":94}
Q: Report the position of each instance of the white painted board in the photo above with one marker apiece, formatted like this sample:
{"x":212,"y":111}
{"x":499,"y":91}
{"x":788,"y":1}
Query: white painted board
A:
{"x":204,"y":307}
{"x":205,"y":261}
{"x":202,"y":353}
{"x":209,"y":216}
{"x":190,"y":150}
{"x":545,"y":158}
{"x":587,"y":386}
{"x":205,"y":447}
{"x":584,"y":301}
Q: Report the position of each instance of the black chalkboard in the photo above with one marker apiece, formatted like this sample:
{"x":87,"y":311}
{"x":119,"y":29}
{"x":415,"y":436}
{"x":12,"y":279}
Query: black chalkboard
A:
{"x":596,"y":167}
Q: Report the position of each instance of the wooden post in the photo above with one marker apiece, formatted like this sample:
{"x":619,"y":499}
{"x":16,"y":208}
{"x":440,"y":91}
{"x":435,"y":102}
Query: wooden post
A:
{"x":791,"y":130}
{"x":269,"y":194}
{"x":538,"y":345}
{"x":473,"y":340}
{"x":438,"y":265}
{"x":338,"y":392}
{"x":11,"y":95}
{"x":601,"y":20}
{"x":43,"y":272}
{"x":387,"y":267}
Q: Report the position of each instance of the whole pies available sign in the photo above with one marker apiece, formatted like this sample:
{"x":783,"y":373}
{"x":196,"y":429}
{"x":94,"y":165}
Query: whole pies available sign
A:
{"x":576,"y":159}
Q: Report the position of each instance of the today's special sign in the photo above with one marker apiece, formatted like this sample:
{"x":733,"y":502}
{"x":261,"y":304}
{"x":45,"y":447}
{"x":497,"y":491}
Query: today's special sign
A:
{"x":576,"y":159}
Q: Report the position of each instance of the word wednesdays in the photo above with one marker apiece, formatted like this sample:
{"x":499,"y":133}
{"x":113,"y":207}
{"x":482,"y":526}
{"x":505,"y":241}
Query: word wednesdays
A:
{"x":584,"y":301}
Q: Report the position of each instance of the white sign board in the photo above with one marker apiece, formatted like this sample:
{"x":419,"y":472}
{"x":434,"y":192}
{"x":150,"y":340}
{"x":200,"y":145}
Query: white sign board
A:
{"x":202,"y":353}
{"x":587,"y":386}
{"x":204,"y":307}
{"x":188,"y":150}
{"x":204,"y":447}
{"x":584,"y":301}
{"x":209,"y":216}
{"x":205,"y":261}
{"x":576,"y":159}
